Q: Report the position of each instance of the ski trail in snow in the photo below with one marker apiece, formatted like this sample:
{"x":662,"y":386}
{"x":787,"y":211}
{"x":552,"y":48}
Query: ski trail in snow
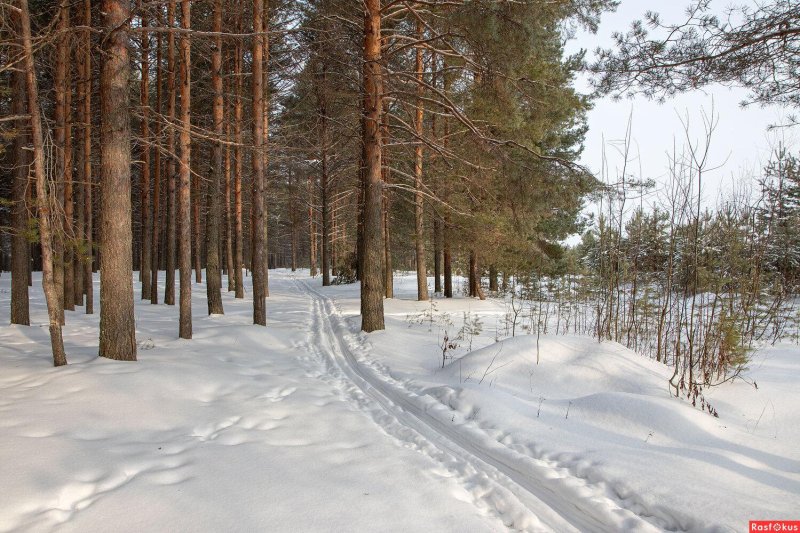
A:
{"x":526,"y":493}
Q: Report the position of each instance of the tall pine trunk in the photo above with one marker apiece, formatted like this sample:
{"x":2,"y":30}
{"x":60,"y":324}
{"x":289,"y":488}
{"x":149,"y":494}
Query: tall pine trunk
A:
{"x":324,"y":182}
{"x":69,"y":206}
{"x":117,"y":327}
{"x":183,"y":198}
{"x":86,"y":138}
{"x":213,"y":273}
{"x":59,"y":140}
{"x":388,"y":274}
{"x":258,"y":259}
{"x":419,"y":202}
{"x":157,"y":171}
{"x":45,"y":225}
{"x":146,"y":220}
{"x":372,"y":273}
{"x":20,"y":248}
{"x":238,"y":166}
{"x":172,"y":230}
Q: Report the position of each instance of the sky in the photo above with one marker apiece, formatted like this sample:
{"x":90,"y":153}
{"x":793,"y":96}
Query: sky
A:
{"x":741,"y":142}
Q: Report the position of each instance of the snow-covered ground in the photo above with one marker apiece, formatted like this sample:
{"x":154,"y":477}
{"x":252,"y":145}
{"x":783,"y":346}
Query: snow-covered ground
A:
{"x":308,"y":425}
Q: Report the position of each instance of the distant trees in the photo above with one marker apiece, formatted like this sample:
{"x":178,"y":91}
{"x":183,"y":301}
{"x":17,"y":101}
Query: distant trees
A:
{"x":400,"y":135}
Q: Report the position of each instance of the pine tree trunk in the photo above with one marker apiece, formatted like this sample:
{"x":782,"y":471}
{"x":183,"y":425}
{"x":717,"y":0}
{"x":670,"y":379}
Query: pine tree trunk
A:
{"x":117,"y":327}
{"x":78,"y":228}
{"x":20,"y":248}
{"x":213,"y":274}
{"x":492,"y":278}
{"x":172,"y":229}
{"x":229,"y":261}
{"x":419,"y":201}
{"x":388,"y":274}
{"x":183,"y":197}
{"x":265,"y":146}
{"x":372,"y":274}
{"x":258,"y":258}
{"x":86,"y":109}
{"x":157,"y":170}
{"x":447,"y":258}
{"x":196,"y":191}
{"x":45,"y":227}
{"x":324,"y":182}
{"x":437,"y":253}
{"x":238,"y":167}
{"x":59,"y":140}
{"x":312,"y":230}
{"x":146,"y":229}
{"x":69,"y":206}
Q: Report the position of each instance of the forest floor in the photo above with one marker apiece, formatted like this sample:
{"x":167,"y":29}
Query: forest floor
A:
{"x":309,"y":425}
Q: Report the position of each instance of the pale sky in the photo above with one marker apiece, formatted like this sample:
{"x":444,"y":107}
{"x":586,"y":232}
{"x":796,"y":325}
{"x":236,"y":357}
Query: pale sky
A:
{"x":741,"y":143}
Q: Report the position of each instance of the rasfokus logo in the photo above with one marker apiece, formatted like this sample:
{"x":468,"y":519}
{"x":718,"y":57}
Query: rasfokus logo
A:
{"x":775,"y":526}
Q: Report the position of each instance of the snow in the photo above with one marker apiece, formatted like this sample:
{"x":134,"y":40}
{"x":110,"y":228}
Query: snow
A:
{"x":311,"y":425}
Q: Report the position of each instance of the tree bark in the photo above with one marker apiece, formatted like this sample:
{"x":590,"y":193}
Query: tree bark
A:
{"x":172,"y":233}
{"x":237,"y":167}
{"x":196,"y":191}
{"x":86,"y":108}
{"x":20,"y":248}
{"x":312,"y":230}
{"x":59,"y":140}
{"x":229,"y":268}
{"x":324,"y":182}
{"x":183,"y":199}
{"x":213,"y":273}
{"x":157,"y":170}
{"x":437,"y":253}
{"x":265,"y":132}
{"x":45,"y":228}
{"x":117,"y":327}
{"x":69,"y":207}
{"x":146,"y":220}
{"x":419,"y":201}
{"x":372,"y":274}
{"x":388,"y":273}
{"x":258,"y":258}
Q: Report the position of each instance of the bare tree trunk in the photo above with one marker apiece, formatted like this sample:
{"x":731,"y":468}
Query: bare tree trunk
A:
{"x":59,"y":140}
{"x":117,"y":327}
{"x":146,"y":230}
{"x":237,"y":167}
{"x":312,"y":230}
{"x":228,"y":212}
{"x":20,"y":248}
{"x":474,"y":276}
{"x":372,"y":275}
{"x":183,"y":199}
{"x":78,"y":249}
{"x":419,"y":201}
{"x":169,"y":289}
{"x":86,"y":107}
{"x":213,"y":274}
{"x":69,"y":206}
{"x":324,"y":182}
{"x":388,"y":274}
{"x":447,"y":257}
{"x":492,"y":278}
{"x":45,"y":229}
{"x":157,"y":175}
{"x":257,"y":211}
{"x":437,"y":253}
{"x":196,"y":191}
{"x":265,"y":132}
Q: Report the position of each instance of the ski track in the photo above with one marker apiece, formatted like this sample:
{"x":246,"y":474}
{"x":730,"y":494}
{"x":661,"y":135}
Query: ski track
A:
{"x":526,"y":493}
